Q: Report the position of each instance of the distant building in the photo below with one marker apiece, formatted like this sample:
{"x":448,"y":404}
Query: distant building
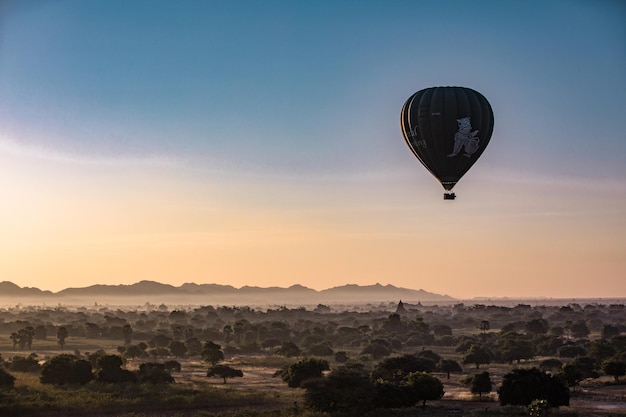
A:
{"x":400,"y":309}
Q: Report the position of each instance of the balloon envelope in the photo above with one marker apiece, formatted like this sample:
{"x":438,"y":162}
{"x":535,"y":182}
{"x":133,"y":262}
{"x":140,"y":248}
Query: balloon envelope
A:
{"x":447,"y":128}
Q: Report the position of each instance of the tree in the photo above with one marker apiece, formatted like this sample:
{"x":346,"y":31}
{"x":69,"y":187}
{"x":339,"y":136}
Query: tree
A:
{"x":341,"y":357}
{"x":159,"y":351}
{"x":133,"y":351}
{"x":479,"y":384}
{"x":154,"y":373}
{"x":546,"y":344}
{"x":288,"y":349}
{"x":302,"y":370}
{"x":82,"y":372}
{"x":396,"y":369}
{"x":344,"y":390}
{"x":393,"y":323}
{"x":572,"y":373}
{"x":25,"y":337}
{"x":448,"y":366}
{"x":212,"y":353}
{"x":66,"y":369}
{"x":615,"y":368}
{"x":172,"y":366}
{"x":127,"y":333}
{"x":224,"y":371}
{"x":537,"y":326}
{"x":609,"y":331}
{"x":484,"y":326}
{"x":178,"y":349}
{"x":442,"y":330}
{"x":41,"y":332}
{"x":227,"y":331}
{"x":557,"y":331}
{"x":477,"y":355}
{"x":601,"y":350}
{"x":321,"y":349}
{"x":15,"y":339}
{"x":62,"y":334}
{"x":92,"y":330}
{"x":160,"y":340}
{"x":429,"y":354}
{"x":571,"y":351}
{"x":28,"y":364}
{"x":193,"y":345}
{"x":579,"y":329}
{"x":550,"y":364}
{"x":110,"y":370}
{"x":424,"y":387}
{"x":587,"y":365}
{"x":516,"y":349}
{"x":378,"y":348}
{"x":390,"y":395}
{"x":523,"y":386}
{"x":270,"y":344}
{"x":619,"y":343}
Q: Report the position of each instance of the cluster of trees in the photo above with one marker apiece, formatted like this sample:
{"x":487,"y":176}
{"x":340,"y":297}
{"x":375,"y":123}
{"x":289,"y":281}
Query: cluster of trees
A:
{"x":404,"y":381}
{"x":69,"y":369}
{"x":24,"y":337}
{"x":393,"y":383}
{"x":72,"y":369}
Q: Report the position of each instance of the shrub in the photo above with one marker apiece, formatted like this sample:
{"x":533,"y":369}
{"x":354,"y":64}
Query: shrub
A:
{"x":302,"y":370}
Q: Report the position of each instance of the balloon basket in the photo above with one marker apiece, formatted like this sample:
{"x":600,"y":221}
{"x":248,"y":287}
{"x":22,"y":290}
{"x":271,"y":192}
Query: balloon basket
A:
{"x":449,"y":196}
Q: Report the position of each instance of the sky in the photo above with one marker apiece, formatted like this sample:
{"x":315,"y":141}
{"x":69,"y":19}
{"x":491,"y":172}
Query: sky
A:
{"x":258,"y":143}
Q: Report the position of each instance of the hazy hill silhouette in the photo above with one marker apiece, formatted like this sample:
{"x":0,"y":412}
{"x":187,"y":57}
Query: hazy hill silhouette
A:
{"x":192,"y":293}
{"x":9,"y":289}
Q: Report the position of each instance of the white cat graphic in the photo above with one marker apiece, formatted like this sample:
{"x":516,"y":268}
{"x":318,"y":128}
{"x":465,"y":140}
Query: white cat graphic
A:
{"x":465,"y":139}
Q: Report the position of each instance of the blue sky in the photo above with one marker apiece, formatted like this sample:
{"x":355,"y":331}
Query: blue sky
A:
{"x":289,"y":111}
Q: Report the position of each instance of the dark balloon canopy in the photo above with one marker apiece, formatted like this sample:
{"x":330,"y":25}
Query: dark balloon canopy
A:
{"x":447,"y":128}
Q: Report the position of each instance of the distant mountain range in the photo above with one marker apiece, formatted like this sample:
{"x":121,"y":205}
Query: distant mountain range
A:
{"x":191,"y":293}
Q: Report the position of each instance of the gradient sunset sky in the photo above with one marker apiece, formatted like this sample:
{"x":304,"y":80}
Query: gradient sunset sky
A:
{"x":258,"y":143}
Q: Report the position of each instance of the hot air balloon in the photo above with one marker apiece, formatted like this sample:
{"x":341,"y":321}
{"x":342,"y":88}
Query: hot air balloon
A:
{"x":447,"y":128}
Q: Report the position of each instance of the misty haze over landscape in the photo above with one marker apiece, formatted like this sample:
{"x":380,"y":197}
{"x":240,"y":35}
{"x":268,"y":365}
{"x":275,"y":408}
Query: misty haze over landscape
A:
{"x":203,"y":294}
{"x":215,"y":294}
